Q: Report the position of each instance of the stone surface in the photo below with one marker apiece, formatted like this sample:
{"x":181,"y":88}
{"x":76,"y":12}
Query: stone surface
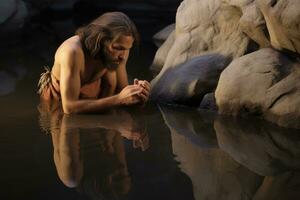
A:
{"x":202,"y":28}
{"x":162,"y":53}
{"x":252,"y":21}
{"x":160,"y":37}
{"x":264,"y":83}
{"x":189,"y":82}
{"x":283,"y":21}
{"x":231,"y":28}
{"x":209,"y":102}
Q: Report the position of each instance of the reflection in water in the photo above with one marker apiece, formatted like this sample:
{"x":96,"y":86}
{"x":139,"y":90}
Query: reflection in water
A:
{"x":89,"y":153}
{"x":224,"y":158}
{"x":267,"y":150}
{"x":253,"y":159}
{"x":197,"y":127}
{"x":264,"y":148}
{"x":9,"y":79}
{"x":214,"y":174}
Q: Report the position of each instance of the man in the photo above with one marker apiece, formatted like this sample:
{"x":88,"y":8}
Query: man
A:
{"x":89,"y":71}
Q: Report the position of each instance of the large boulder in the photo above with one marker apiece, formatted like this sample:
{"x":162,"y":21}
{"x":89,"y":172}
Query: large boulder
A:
{"x":162,"y":53}
{"x":252,"y":21}
{"x":231,"y":28}
{"x":202,"y":28}
{"x":189,"y":82}
{"x":264,"y":83}
{"x":207,"y":32}
{"x":283,"y":21}
{"x":160,"y":37}
{"x":205,"y":27}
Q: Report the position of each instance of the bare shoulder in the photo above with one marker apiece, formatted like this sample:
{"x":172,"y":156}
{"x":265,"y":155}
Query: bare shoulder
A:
{"x":68,"y":56}
{"x":70,"y":50}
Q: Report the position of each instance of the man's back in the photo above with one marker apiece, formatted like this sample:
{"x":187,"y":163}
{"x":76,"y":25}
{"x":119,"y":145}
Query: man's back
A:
{"x":69,"y":51}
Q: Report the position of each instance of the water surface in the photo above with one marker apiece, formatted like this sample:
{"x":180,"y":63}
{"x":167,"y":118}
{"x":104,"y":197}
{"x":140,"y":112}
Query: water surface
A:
{"x":154,"y":152}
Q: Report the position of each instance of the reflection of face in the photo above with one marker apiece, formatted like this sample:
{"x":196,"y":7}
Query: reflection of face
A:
{"x":115,"y":52}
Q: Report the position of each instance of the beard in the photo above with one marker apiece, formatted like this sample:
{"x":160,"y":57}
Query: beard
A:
{"x":108,"y":60}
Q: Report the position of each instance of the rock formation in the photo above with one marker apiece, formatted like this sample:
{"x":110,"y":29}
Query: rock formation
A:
{"x":189,"y":82}
{"x":260,"y":37}
{"x":283,"y":21}
{"x":202,"y":28}
{"x":265,"y":83}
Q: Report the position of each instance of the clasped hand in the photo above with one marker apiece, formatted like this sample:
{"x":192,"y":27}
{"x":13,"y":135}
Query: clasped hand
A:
{"x":136,"y":93}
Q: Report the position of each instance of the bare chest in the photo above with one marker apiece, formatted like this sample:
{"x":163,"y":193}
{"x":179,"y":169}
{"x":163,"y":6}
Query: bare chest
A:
{"x":91,"y":72}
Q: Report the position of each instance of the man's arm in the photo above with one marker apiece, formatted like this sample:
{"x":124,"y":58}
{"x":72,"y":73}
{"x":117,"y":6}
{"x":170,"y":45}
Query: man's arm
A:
{"x":114,"y":81}
{"x":70,"y":84}
{"x":121,"y":73}
{"x":122,"y":80}
{"x":109,"y":84}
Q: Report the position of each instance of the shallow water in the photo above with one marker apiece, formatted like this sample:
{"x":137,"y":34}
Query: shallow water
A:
{"x":155,"y":152}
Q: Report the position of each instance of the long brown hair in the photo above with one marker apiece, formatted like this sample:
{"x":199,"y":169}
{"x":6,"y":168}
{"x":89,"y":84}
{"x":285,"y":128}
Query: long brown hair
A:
{"x":105,"y":29}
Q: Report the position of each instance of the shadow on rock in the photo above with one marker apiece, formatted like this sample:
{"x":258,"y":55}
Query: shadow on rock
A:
{"x":188,"y":83}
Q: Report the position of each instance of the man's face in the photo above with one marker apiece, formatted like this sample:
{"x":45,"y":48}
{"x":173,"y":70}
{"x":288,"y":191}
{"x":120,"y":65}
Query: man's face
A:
{"x":117,"y":51}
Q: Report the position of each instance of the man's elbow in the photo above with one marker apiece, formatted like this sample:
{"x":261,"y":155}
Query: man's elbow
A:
{"x":69,"y":108}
